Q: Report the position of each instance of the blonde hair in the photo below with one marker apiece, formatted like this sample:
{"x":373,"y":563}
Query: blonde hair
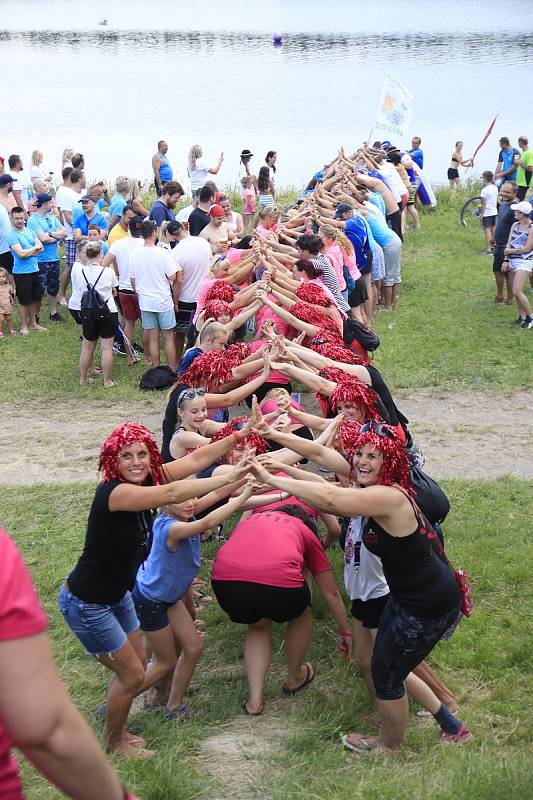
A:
{"x":194,"y":153}
{"x":163,"y":233}
{"x":267,"y":211}
{"x":66,"y":155}
{"x":122,"y":184}
{"x":337,"y":237}
{"x":36,"y":158}
{"x":4,"y":272}
{"x":210,"y":330}
{"x":274,"y":394}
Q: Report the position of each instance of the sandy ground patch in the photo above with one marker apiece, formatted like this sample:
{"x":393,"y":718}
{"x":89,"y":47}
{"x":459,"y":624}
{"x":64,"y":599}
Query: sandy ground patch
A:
{"x":462,"y":434}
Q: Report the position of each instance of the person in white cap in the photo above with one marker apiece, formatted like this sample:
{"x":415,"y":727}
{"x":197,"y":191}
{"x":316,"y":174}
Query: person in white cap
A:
{"x":519,"y":260}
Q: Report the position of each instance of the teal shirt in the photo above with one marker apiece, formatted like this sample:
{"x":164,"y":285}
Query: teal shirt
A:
{"x":26,"y":238}
{"x":45,"y":224}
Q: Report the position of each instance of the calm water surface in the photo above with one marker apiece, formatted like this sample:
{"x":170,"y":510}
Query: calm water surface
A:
{"x":208,"y":73}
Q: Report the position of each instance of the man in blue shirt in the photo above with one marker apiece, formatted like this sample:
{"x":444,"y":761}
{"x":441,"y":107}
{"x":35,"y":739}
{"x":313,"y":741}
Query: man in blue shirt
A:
{"x":25,"y":246}
{"x":50,"y":232}
{"x":161,"y":165}
{"x":86,"y":214}
{"x":506,"y":168}
{"x":163,"y":207}
{"x":416,"y":153}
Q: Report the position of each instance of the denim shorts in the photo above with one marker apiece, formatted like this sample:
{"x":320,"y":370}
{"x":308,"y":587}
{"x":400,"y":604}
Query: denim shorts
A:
{"x":100,"y":628}
{"x":164,"y":320}
{"x":152,"y":614}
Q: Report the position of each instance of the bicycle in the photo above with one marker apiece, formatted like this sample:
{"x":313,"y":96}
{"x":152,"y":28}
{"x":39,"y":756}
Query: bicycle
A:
{"x":471,"y":210}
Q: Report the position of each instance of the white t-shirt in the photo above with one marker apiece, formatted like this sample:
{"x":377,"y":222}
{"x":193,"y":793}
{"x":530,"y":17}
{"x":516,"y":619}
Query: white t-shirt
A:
{"x":21,"y":184}
{"x":490,"y":195}
{"x":106,"y":283}
{"x":66,"y":199}
{"x":395,"y":183}
{"x":192,"y":256}
{"x":122,"y":250}
{"x":36,"y":172}
{"x":152,"y":267}
{"x":185,"y":213}
{"x":198,"y":176}
{"x":363,"y":571}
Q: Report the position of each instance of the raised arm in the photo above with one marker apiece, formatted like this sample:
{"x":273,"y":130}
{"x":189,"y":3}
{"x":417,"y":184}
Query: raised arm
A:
{"x":184,"y":530}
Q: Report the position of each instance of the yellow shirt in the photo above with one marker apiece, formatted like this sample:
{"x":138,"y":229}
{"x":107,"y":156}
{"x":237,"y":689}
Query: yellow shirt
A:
{"x":117,"y":232}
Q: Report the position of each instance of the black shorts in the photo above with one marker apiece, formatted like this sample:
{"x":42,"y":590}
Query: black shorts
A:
{"x":6,"y":261}
{"x":452,"y":174}
{"x":28,"y":288}
{"x":402,"y":643}
{"x":369,"y":612}
{"x":498,"y":259}
{"x":488,"y":222}
{"x":246,"y":602}
{"x":76,"y":316}
{"x":359,"y":293}
{"x":521,"y":192}
{"x":394,"y":221}
{"x":102,"y":329}
{"x":184,"y":316}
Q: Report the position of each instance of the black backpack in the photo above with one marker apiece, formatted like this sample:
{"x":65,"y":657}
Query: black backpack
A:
{"x":429,"y":496}
{"x":352,"y":329}
{"x":93,"y":306}
{"x":161,"y":377}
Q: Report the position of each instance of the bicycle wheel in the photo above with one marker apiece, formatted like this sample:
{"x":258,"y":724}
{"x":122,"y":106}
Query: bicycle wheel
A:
{"x":471,"y":211}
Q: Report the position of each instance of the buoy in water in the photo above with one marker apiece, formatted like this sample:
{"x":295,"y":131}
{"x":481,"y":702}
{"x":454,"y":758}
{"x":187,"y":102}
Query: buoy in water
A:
{"x":277,"y":38}
{"x":102,"y":22}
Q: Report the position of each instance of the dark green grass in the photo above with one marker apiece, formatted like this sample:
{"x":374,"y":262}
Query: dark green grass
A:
{"x":487,"y":663}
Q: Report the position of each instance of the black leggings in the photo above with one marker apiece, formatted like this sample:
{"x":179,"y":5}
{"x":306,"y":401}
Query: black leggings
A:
{"x":402,"y":642}
{"x":394,"y":221}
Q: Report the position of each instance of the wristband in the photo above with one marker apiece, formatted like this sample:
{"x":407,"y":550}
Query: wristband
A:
{"x":345,"y":633}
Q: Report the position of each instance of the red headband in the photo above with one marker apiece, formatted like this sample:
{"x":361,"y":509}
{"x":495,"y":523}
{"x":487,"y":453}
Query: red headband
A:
{"x":124,"y":436}
{"x":251,"y":440}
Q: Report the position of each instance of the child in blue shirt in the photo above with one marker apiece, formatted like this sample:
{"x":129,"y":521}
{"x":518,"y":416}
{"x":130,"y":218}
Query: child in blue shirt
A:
{"x":163,"y":594}
{"x":94,"y":234}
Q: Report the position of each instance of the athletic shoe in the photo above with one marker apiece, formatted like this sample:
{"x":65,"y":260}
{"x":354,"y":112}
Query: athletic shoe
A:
{"x":517,"y":321}
{"x":527,"y":323}
{"x":137,"y":347}
{"x":119,"y":349}
{"x":56,"y":317}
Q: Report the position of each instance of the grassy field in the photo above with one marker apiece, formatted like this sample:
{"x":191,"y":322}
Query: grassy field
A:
{"x":487,"y":663}
{"x":447,"y":333}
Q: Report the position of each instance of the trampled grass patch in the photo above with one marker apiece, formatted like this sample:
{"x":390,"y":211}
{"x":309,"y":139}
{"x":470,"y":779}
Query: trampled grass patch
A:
{"x":487,"y":663}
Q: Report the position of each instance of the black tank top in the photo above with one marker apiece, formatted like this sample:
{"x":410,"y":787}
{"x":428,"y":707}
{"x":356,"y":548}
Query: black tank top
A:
{"x":418,"y":577}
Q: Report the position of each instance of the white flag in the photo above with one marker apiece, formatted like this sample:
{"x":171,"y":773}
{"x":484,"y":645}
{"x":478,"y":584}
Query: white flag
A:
{"x":393,"y":115}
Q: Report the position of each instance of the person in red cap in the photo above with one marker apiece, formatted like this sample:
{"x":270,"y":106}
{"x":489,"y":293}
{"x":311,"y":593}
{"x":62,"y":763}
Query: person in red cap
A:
{"x":217,"y":232}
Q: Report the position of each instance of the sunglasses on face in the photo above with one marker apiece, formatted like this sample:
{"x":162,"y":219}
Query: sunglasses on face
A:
{"x":378,"y":428}
{"x":189,"y":394}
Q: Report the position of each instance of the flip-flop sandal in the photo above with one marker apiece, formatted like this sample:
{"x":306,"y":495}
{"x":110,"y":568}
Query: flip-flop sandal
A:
{"x":252,"y":713}
{"x":182,"y":712}
{"x":364,"y":746}
{"x":310,"y":676}
{"x":461,"y":737}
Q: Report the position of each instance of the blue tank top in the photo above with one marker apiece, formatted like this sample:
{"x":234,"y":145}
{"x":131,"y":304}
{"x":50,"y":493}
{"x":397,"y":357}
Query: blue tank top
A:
{"x":166,"y":574}
{"x":165,"y":170}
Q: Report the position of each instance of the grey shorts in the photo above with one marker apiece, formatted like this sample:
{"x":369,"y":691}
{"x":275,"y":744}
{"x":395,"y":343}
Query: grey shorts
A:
{"x":392,"y":253}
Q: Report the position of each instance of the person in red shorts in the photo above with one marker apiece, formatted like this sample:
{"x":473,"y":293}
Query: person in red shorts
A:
{"x":36,"y":713}
{"x":258,"y":578}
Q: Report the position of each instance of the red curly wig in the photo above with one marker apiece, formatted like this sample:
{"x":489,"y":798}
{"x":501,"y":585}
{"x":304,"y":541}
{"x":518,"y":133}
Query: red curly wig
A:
{"x":220,"y":290}
{"x":214,"y":308}
{"x":395,"y":464}
{"x":352,"y":390}
{"x":251,"y":440}
{"x":313,"y":316}
{"x":208,"y":369}
{"x":311,"y":293}
{"x":348,"y":434}
{"x":123,"y":436}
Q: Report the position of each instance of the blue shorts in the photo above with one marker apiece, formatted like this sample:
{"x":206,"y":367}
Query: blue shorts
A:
{"x":152,"y":614}
{"x":100,"y":628}
{"x":164,"y":320}
{"x":49,"y":277}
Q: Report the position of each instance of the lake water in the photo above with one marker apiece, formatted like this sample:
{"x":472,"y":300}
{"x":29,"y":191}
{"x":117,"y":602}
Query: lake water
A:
{"x":208,"y":73}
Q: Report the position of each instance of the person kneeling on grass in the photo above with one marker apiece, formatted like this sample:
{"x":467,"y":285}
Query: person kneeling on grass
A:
{"x":162,"y":582}
{"x":258,"y":578}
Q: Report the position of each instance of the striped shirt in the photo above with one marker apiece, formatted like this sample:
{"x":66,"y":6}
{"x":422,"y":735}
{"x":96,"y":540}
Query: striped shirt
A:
{"x":329,"y":279}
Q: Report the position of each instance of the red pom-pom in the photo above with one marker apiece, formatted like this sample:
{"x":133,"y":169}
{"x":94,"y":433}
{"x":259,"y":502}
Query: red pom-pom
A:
{"x":331,"y":345}
{"x":220,"y":290}
{"x":209,"y":370}
{"x":313,"y":316}
{"x":251,"y":440}
{"x":214,"y":308}
{"x":311,"y":293}
{"x":124,"y":436}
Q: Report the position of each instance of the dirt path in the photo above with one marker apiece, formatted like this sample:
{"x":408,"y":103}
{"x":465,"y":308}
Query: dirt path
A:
{"x":463,"y":435}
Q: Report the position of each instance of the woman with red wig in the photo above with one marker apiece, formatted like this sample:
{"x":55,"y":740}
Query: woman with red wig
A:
{"x":425,"y":600}
{"x":95,"y":600}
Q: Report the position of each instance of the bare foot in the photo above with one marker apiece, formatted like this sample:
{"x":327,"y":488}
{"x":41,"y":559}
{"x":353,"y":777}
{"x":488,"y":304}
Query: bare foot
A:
{"x":63,"y":301}
{"x":132,"y":738}
{"x":358,"y":743}
{"x":109,"y":384}
{"x":24,"y":331}
{"x":127,"y":750}
{"x":38,"y":328}
{"x":94,"y":371}
{"x":147,"y":363}
{"x":12,"y":332}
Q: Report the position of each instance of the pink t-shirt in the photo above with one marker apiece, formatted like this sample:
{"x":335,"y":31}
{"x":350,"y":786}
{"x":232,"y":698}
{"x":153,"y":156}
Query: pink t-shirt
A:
{"x":202,"y":291}
{"x":271,"y":548}
{"x":265,"y":313}
{"x":336,"y":256}
{"x":250,"y":201}
{"x":262,"y":231}
{"x":270,"y":405}
{"x":20,"y":616}
{"x":349,"y":260}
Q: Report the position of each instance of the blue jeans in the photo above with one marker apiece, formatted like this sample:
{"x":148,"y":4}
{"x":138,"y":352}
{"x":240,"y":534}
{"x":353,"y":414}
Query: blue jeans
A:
{"x":100,"y":628}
